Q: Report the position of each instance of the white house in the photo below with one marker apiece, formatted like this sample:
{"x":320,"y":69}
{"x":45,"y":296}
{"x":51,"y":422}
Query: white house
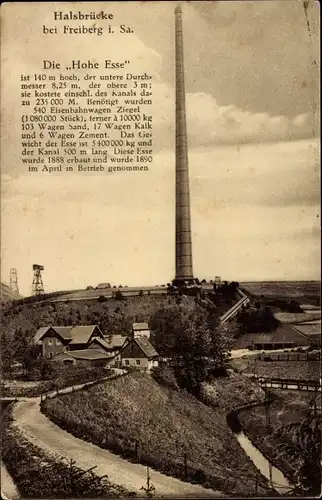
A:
{"x":139,"y":329}
{"x":139,"y":352}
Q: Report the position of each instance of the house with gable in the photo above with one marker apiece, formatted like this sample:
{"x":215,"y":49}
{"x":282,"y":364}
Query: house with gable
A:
{"x":139,"y":352}
{"x":57,"y":339}
{"x":111,"y":345}
{"x":52,"y":340}
{"x":82,"y":336}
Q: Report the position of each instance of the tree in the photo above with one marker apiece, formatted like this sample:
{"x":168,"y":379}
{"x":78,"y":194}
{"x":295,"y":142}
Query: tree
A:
{"x":7,"y":353}
{"x":30,"y":358}
{"x":21,"y":343}
{"x":118,"y":295}
{"x":302,"y":442}
{"x":193,"y":341}
{"x":257,"y":320}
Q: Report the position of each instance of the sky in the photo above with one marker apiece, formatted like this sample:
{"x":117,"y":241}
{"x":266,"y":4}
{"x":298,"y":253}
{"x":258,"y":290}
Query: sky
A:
{"x":252,"y":86}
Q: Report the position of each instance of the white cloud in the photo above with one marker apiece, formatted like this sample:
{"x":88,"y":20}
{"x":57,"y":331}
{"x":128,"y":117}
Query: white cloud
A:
{"x":120,"y":227}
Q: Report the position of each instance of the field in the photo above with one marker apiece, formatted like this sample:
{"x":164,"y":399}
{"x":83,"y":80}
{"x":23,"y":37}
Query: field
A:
{"x":311,"y":328}
{"x":305,"y":370}
{"x":137,"y":417}
{"x":304,"y":291}
{"x":286,"y":317}
{"x":290,"y":407}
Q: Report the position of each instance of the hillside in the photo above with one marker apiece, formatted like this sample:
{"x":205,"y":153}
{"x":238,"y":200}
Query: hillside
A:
{"x":7,"y":294}
{"x":137,"y":417}
{"x":21,"y":319}
{"x":19,"y":323}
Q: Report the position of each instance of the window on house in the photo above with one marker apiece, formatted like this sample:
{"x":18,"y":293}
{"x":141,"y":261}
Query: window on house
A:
{"x":50,"y":341}
{"x":138,"y":362}
{"x":58,"y":342}
{"x":127,"y":362}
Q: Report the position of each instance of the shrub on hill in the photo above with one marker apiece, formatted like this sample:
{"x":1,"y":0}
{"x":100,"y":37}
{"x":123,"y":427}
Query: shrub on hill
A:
{"x":257,"y":320}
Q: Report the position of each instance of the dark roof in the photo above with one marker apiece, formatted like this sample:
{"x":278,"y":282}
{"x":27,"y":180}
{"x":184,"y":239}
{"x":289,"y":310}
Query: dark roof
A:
{"x":40,"y":332}
{"x":62,"y":331}
{"x":88,"y":354}
{"x":76,"y":334}
{"x":114,"y":341}
{"x":82,"y":334}
{"x":146,"y":346}
{"x":140,"y":326}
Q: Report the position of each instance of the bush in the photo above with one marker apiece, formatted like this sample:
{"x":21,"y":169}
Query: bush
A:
{"x":164,"y":375}
{"x":118,"y":295}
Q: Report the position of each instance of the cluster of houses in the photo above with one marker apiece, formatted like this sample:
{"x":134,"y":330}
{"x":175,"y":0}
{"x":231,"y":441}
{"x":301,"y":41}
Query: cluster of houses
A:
{"x":86,"y":345}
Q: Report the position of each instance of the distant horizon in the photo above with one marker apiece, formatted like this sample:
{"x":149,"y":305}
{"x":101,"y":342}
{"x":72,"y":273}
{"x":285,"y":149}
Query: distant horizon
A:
{"x":164,"y":284}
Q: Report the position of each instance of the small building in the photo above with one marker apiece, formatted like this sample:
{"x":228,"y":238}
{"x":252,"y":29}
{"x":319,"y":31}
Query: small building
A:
{"x":139,"y":329}
{"x":103,"y":286}
{"x":111,"y":345}
{"x":83,"y":357}
{"x":283,"y":337}
{"x":138,"y":352}
{"x":57,"y":339}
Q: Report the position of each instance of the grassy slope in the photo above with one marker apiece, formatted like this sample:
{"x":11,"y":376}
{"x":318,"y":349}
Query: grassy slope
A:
{"x":167,"y":425}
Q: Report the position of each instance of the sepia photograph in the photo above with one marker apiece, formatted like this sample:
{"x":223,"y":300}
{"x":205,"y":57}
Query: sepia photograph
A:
{"x":160,"y":249}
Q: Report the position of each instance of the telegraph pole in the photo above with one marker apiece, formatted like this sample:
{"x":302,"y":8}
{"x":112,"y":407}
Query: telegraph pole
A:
{"x":268,"y":429}
{"x":150,"y":489}
{"x":267,"y":414}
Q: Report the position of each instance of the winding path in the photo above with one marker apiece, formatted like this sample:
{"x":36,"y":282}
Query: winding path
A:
{"x":8,"y":488}
{"x":39,"y":430}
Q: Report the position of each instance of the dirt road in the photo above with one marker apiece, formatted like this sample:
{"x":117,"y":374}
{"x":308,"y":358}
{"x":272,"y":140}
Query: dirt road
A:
{"x":8,"y":488}
{"x":38,"y":429}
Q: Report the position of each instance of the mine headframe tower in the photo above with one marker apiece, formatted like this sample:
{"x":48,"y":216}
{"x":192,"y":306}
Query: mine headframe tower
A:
{"x":14,"y":280}
{"x":37,"y":283}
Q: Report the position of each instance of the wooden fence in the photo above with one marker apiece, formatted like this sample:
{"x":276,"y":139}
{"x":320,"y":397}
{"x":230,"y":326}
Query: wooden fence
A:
{"x":289,"y":356}
{"x":288,"y":383}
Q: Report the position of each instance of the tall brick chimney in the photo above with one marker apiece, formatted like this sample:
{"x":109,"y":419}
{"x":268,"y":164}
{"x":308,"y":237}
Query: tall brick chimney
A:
{"x":184,"y":272}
